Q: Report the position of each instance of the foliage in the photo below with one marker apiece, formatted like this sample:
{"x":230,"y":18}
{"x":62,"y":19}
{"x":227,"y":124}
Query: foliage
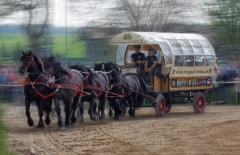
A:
{"x":225,"y":16}
{"x":14,"y":43}
{"x":3,"y":136}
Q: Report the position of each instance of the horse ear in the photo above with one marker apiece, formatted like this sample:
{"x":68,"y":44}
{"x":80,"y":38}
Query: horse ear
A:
{"x":22,"y":52}
{"x":30,"y":52}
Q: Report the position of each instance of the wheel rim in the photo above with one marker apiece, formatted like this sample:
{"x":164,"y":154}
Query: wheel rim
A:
{"x":168,"y":107}
{"x":201,"y":102}
{"x":162,"y":106}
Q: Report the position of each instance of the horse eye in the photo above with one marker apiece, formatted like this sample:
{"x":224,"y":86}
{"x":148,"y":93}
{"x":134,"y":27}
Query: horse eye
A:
{"x":29,"y":59}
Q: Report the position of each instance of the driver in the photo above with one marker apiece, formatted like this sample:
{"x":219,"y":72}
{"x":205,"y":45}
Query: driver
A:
{"x":138,"y":58}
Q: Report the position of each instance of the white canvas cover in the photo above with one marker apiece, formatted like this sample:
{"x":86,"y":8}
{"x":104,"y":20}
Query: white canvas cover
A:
{"x":170,"y":43}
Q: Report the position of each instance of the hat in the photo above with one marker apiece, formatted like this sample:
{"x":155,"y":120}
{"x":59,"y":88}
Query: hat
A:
{"x":139,"y":46}
{"x":152,"y":49}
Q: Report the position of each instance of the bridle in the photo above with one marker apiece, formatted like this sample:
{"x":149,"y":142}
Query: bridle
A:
{"x":31,"y":62}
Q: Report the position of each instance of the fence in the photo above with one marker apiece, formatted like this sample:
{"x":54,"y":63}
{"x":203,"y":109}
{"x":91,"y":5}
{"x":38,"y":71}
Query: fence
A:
{"x":15,"y":93}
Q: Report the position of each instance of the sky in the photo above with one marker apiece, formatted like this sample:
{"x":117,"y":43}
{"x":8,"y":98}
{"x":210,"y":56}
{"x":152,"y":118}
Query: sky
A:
{"x":57,"y":14}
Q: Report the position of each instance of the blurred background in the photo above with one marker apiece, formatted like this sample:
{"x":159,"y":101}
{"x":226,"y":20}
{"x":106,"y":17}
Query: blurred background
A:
{"x":78,"y":31}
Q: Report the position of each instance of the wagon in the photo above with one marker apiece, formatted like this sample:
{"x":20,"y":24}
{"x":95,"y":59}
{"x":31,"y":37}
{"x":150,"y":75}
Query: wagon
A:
{"x":171,"y":81}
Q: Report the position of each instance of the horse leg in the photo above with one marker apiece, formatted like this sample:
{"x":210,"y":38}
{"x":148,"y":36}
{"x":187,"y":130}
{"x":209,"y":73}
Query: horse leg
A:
{"x":90,"y":109}
{"x":81,"y":111}
{"x":48,"y":110}
{"x":130,"y":102}
{"x":102,"y":101}
{"x":40,"y":114}
{"x":27,"y":112}
{"x":95,"y":112}
{"x":58,"y":111}
{"x":135,"y":96}
{"x":116,"y":109}
{"x":67,"y":109}
{"x":73,"y":109}
{"x":110,"y":103}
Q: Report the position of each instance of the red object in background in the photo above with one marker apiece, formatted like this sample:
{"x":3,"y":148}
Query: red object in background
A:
{"x":216,"y":69}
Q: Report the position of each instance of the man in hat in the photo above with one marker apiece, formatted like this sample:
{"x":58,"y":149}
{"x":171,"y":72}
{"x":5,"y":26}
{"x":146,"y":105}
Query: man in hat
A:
{"x":138,"y":58}
{"x":151,"y":61}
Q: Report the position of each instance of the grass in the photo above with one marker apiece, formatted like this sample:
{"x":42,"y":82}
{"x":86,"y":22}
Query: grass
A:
{"x":3,"y":136}
{"x":12,"y":42}
{"x":231,"y":94}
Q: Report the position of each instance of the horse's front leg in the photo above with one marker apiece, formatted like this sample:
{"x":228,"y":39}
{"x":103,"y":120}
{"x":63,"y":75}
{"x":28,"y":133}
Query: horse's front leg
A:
{"x":81,"y":111}
{"x":117,"y":111}
{"x":67,"y":109}
{"x":90,"y":109}
{"x":130,"y":102}
{"x":135,"y":96}
{"x":40,"y":113}
{"x":58,"y":111}
{"x":48,"y":110}
{"x":101,"y":106}
{"x":73,"y":109}
{"x":27,"y":112}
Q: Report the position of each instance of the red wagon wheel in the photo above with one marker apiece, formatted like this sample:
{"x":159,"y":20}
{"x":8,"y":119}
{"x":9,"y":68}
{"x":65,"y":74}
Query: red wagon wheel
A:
{"x":199,"y":102}
{"x":160,"y":105}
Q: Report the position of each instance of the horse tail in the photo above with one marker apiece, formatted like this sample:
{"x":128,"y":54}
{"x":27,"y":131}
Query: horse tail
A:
{"x":141,"y":97}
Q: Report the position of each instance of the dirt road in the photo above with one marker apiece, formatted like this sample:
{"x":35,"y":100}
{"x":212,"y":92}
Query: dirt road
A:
{"x":216,"y":131}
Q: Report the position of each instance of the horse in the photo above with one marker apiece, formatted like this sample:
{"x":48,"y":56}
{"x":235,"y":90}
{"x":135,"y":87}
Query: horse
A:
{"x":111,"y":96}
{"x":97,"y":84}
{"x":32,"y":66}
{"x":68,"y":86}
{"x":127,"y":86}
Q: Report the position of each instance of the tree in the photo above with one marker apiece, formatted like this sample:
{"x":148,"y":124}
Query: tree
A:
{"x":224,"y":17}
{"x":105,"y":18}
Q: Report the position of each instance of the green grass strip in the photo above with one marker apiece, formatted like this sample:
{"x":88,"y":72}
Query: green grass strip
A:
{"x":4,"y":150}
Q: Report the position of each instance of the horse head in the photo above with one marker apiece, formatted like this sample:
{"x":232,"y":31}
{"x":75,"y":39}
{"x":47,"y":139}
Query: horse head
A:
{"x":54,"y":71}
{"x":30,"y":63}
{"x":113,"y":71}
{"x":99,"y":66}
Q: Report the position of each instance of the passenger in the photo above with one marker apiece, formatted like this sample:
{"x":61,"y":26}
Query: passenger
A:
{"x":222,"y":78}
{"x":151,"y":61}
{"x":162,"y":60}
{"x":178,"y":61}
{"x":138,"y":58}
{"x":192,"y":61}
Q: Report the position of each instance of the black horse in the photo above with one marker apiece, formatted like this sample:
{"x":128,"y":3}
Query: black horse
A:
{"x":68,"y":87}
{"x":32,"y":66}
{"x":111,"y":96}
{"x":97,"y":84}
{"x":127,"y":86}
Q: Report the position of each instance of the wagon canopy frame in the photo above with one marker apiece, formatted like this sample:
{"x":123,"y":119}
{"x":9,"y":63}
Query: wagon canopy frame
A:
{"x":169,"y":44}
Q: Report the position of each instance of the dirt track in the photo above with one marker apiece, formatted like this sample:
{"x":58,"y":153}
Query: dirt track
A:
{"x":216,"y":131}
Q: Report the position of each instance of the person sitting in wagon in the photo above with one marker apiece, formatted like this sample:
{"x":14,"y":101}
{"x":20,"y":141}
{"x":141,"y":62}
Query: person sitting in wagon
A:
{"x":178,"y":61}
{"x":151,"y":61}
{"x":138,"y":58}
{"x":192,"y":61}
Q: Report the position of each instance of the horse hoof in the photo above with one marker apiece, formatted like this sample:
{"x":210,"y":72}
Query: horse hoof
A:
{"x":30,"y":122}
{"x":110,"y":114}
{"x":62,"y":127}
{"x":115,"y":118}
{"x":67,"y":128}
{"x":81,"y":121}
{"x":48,"y":121}
{"x":73,"y":120}
{"x":40,"y":126}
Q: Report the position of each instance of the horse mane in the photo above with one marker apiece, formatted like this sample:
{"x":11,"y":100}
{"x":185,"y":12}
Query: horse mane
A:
{"x":51,"y":59}
{"x":111,"y":66}
{"x":38,"y":61}
{"x":63,"y":69}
